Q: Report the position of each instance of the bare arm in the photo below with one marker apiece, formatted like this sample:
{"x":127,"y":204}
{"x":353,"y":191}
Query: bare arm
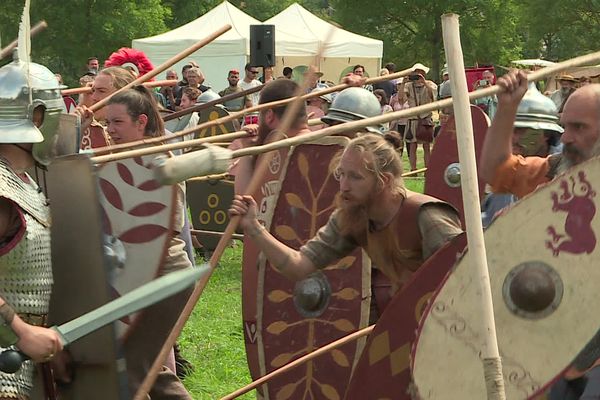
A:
{"x":497,"y":146}
{"x":291,"y":263}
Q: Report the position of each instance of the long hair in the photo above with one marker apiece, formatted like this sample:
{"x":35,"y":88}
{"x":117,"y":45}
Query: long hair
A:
{"x":380,"y":157}
{"x":120,"y":77}
{"x":138,"y":100}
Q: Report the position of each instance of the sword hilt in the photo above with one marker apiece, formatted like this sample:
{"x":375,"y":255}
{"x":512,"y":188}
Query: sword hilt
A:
{"x":11,"y":361}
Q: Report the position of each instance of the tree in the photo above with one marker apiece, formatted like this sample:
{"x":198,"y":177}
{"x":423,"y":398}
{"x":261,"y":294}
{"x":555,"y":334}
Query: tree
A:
{"x":78,"y":29}
{"x":412,"y":32}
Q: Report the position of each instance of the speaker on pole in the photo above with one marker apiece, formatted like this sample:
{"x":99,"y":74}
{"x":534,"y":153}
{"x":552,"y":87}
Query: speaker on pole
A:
{"x":262,"y":45}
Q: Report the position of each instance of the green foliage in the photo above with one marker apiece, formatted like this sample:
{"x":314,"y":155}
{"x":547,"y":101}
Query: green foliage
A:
{"x":412,"y":32}
{"x":78,"y":29}
{"x":492,"y":31}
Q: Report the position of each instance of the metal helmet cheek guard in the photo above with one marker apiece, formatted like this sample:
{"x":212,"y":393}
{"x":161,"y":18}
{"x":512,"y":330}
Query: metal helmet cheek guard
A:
{"x":23,"y":88}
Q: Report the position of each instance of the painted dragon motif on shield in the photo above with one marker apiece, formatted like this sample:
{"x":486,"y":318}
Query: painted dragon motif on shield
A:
{"x":576,"y":201}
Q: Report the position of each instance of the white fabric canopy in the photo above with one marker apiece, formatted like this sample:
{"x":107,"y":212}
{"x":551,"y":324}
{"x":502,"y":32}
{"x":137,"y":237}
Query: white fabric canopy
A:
{"x":229,"y":51}
{"x":341,"y":50}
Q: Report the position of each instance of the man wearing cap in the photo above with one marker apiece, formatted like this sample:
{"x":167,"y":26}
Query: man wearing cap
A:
{"x":233,"y":77}
{"x":314,"y":81}
{"x":567,"y":87}
{"x":317,"y":107}
{"x":419,"y":129}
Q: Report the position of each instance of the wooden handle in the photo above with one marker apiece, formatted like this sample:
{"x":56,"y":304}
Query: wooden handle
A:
{"x":37,"y":28}
{"x":470,"y":193}
{"x":88,"y":89}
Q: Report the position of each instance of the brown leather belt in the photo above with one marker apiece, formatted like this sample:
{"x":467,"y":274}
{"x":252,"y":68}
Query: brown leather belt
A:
{"x":33,"y":319}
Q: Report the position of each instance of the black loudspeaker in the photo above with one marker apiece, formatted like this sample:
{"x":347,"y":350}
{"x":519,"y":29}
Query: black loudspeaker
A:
{"x":262,"y":45}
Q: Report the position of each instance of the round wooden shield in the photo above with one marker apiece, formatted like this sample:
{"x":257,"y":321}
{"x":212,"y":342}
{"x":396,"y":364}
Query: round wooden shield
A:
{"x":442,"y":179}
{"x":383,"y":370}
{"x":209,"y":202}
{"x":543,"y":265}
{"x":287,"y":327}
{"x":210,"y":114}
{"x":139,"y":213}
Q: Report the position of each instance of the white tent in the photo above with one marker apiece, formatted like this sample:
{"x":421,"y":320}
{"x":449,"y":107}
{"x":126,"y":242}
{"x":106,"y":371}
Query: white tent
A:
{"x":229,"y":51}
{"x":343,"y":48}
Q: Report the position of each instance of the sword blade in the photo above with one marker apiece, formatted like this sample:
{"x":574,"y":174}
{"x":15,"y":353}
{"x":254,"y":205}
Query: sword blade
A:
{"x":137,"y":299}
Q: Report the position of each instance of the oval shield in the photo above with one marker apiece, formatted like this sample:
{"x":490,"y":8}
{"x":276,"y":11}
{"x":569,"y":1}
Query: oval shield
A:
{"x":442,"y":179}
{"x":293,"y":319}
{"x":139,"y":213}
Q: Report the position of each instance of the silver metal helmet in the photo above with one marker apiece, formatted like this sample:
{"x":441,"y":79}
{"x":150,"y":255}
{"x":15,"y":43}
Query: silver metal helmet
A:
{"x":537,"y":111}
{"x":207,"y":96}
{"x":23,"y":88}
{"x":353,"y":104}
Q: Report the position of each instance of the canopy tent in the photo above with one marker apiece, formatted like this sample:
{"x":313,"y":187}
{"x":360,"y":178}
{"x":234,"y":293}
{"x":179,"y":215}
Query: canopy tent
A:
{"x":229,"y":51}
{"x":342,"y":49}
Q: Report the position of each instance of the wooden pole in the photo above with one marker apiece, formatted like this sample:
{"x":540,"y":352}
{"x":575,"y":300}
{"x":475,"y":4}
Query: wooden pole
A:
{"x":37,"y":28}
{"x":490,"y":355}
{"x":164,"y":66}
{"x":302,"y":360}
{"x":209,"y":177}
{"x":412,"y":173}
{"x":286,"y":123}
{"x":211,"y":103}
{"x":200,"y":232}
{"x":355,"y":125}
{"x":240,"y":114}
{"x":168,"y":146}
{"x":88,"y":89}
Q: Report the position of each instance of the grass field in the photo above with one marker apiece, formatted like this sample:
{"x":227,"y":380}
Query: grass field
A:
{"x":213,"y":338}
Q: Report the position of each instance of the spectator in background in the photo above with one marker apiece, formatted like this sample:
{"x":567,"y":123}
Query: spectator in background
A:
{"x":183,"y":82}
{"x":93,"y":65}
{"x":233,"y":78}
{"x":317,"y":107}
{"x":250,"y":82}
{"x":359,"y":70}
{"x":567,"y":87}
{"x":267,"y":75}
{"x":419,"y":128}
{"x":287,"y":72}
{"x":488,"y":104}
{"x":188,"y":99}
{"x":195,"y":79}
{"x":385,"y":107}
{"x":388,"y":86}
{"x":399,"y":102}
{"x":169,"y":91}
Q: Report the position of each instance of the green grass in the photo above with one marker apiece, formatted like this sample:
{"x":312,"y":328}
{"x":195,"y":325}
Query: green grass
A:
{"x":213,"y":338}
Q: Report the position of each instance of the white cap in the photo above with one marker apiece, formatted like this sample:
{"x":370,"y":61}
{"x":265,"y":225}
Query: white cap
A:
{"x":421,"y":67}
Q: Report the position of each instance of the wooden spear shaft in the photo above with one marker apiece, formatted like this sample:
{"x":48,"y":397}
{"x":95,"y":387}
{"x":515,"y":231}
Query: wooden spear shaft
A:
{"x":211,"y":103}
{"x":302,"y":360}
{"x":354,"y":125}
{"x":169,"y":146}
{"x":240,"y":114}
{"x":470,"y":193}
{"x":88,"y":89}
{"x":286,"y":122}
{"x":37,"y":28}
{"x":164,"y":66}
